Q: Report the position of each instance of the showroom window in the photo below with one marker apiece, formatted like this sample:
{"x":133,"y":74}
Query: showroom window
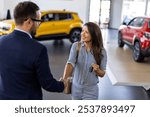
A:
{"x":132,"y":8}
{"x":148,"y":8}
{"x":99,"y":11}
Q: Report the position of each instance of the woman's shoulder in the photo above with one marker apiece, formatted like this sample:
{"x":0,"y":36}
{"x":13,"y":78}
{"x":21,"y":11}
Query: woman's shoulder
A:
{"x":75,"y":44}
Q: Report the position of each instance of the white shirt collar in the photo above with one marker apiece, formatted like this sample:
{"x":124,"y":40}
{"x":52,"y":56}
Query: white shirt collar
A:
{"x":24,"y":32}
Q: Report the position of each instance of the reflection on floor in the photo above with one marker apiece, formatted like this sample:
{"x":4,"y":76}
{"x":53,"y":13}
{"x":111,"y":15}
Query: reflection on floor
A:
{"x":58,"y":54}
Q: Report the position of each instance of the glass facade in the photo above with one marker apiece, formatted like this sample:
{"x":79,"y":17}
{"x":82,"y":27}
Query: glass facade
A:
{"x":99,"y":11}
{"x":148,"y":8}
{"x":132,"y":8}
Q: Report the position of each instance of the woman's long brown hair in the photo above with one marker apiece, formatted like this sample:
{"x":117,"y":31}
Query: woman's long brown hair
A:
{"x":97,"y":41}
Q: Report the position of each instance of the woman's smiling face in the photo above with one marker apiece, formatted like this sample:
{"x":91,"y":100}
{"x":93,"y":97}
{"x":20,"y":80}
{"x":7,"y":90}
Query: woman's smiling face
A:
{"x":85,"y":35}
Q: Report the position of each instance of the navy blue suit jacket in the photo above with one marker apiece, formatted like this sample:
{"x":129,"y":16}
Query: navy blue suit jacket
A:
{"x":24,"y":68}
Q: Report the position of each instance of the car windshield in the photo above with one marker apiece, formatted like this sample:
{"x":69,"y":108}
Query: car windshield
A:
{"x":127,"y":19}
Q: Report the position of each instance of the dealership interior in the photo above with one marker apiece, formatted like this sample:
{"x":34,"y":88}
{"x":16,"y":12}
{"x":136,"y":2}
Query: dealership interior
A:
{"x":125,"y":79}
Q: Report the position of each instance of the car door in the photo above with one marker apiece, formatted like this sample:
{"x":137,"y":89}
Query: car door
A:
{"x":64,"y":21}
{"x":134,"y":28}
{"x":47,"y":27}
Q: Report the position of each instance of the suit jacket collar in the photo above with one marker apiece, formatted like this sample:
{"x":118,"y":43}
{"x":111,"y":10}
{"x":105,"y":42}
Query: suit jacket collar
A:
{"x":19,"y":32}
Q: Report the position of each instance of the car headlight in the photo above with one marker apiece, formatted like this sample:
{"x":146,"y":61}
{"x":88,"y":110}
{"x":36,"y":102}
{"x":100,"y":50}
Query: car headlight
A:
{"x":5,"y":26}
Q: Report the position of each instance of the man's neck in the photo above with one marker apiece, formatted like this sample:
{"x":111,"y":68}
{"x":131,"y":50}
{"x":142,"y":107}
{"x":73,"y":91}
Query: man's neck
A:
{"x":22,"y":28}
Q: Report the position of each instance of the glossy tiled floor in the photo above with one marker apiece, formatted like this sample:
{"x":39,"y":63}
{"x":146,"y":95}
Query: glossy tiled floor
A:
{"x":58,"y":54}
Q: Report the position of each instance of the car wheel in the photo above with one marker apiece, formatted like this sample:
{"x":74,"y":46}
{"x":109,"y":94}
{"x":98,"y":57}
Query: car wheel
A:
{"x":120,"y":41}
{"x":137,"y":52}
{"x":75,"y":35}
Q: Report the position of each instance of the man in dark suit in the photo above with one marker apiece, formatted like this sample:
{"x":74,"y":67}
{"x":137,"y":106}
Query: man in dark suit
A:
{"x":24,"y":66}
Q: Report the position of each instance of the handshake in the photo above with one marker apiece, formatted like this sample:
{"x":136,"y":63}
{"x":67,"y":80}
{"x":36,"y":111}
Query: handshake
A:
{"x":67,"y":84}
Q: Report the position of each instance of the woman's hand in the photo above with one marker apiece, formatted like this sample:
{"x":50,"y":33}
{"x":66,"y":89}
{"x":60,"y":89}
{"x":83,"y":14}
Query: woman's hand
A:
{"x":64,"y":81}
{"x":97,"y":70}
{"x":95,"y":67}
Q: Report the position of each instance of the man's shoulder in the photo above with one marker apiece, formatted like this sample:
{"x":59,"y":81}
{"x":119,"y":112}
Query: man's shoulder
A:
{"x":4,"y":37}
{"x":36,"y":43}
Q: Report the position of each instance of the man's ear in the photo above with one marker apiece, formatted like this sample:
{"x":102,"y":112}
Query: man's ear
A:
{"x":29,"y":21}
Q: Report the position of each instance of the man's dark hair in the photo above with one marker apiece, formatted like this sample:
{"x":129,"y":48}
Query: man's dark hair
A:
{"x":25,"y":10}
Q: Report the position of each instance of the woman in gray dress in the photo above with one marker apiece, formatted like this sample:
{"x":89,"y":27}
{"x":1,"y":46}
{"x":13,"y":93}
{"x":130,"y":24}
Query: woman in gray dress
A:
{"x":89,"y":65}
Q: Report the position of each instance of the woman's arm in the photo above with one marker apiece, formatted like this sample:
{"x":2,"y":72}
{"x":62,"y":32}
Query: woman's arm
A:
{"x":67,"y":71}
{"x":71,"y":61}
{"x":100,"y":70}
{"x":97,"y":70}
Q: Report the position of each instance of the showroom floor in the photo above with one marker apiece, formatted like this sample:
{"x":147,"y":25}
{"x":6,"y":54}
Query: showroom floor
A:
{"x":114,"y":86}
{"x":121,"y":63}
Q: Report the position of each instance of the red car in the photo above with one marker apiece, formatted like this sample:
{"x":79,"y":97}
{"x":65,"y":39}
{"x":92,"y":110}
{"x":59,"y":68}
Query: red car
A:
{"x":136,"y":34}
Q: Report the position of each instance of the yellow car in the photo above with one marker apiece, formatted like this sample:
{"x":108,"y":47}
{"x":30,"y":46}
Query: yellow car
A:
{"x":6,"y":27}
{"x":56,"y":24}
